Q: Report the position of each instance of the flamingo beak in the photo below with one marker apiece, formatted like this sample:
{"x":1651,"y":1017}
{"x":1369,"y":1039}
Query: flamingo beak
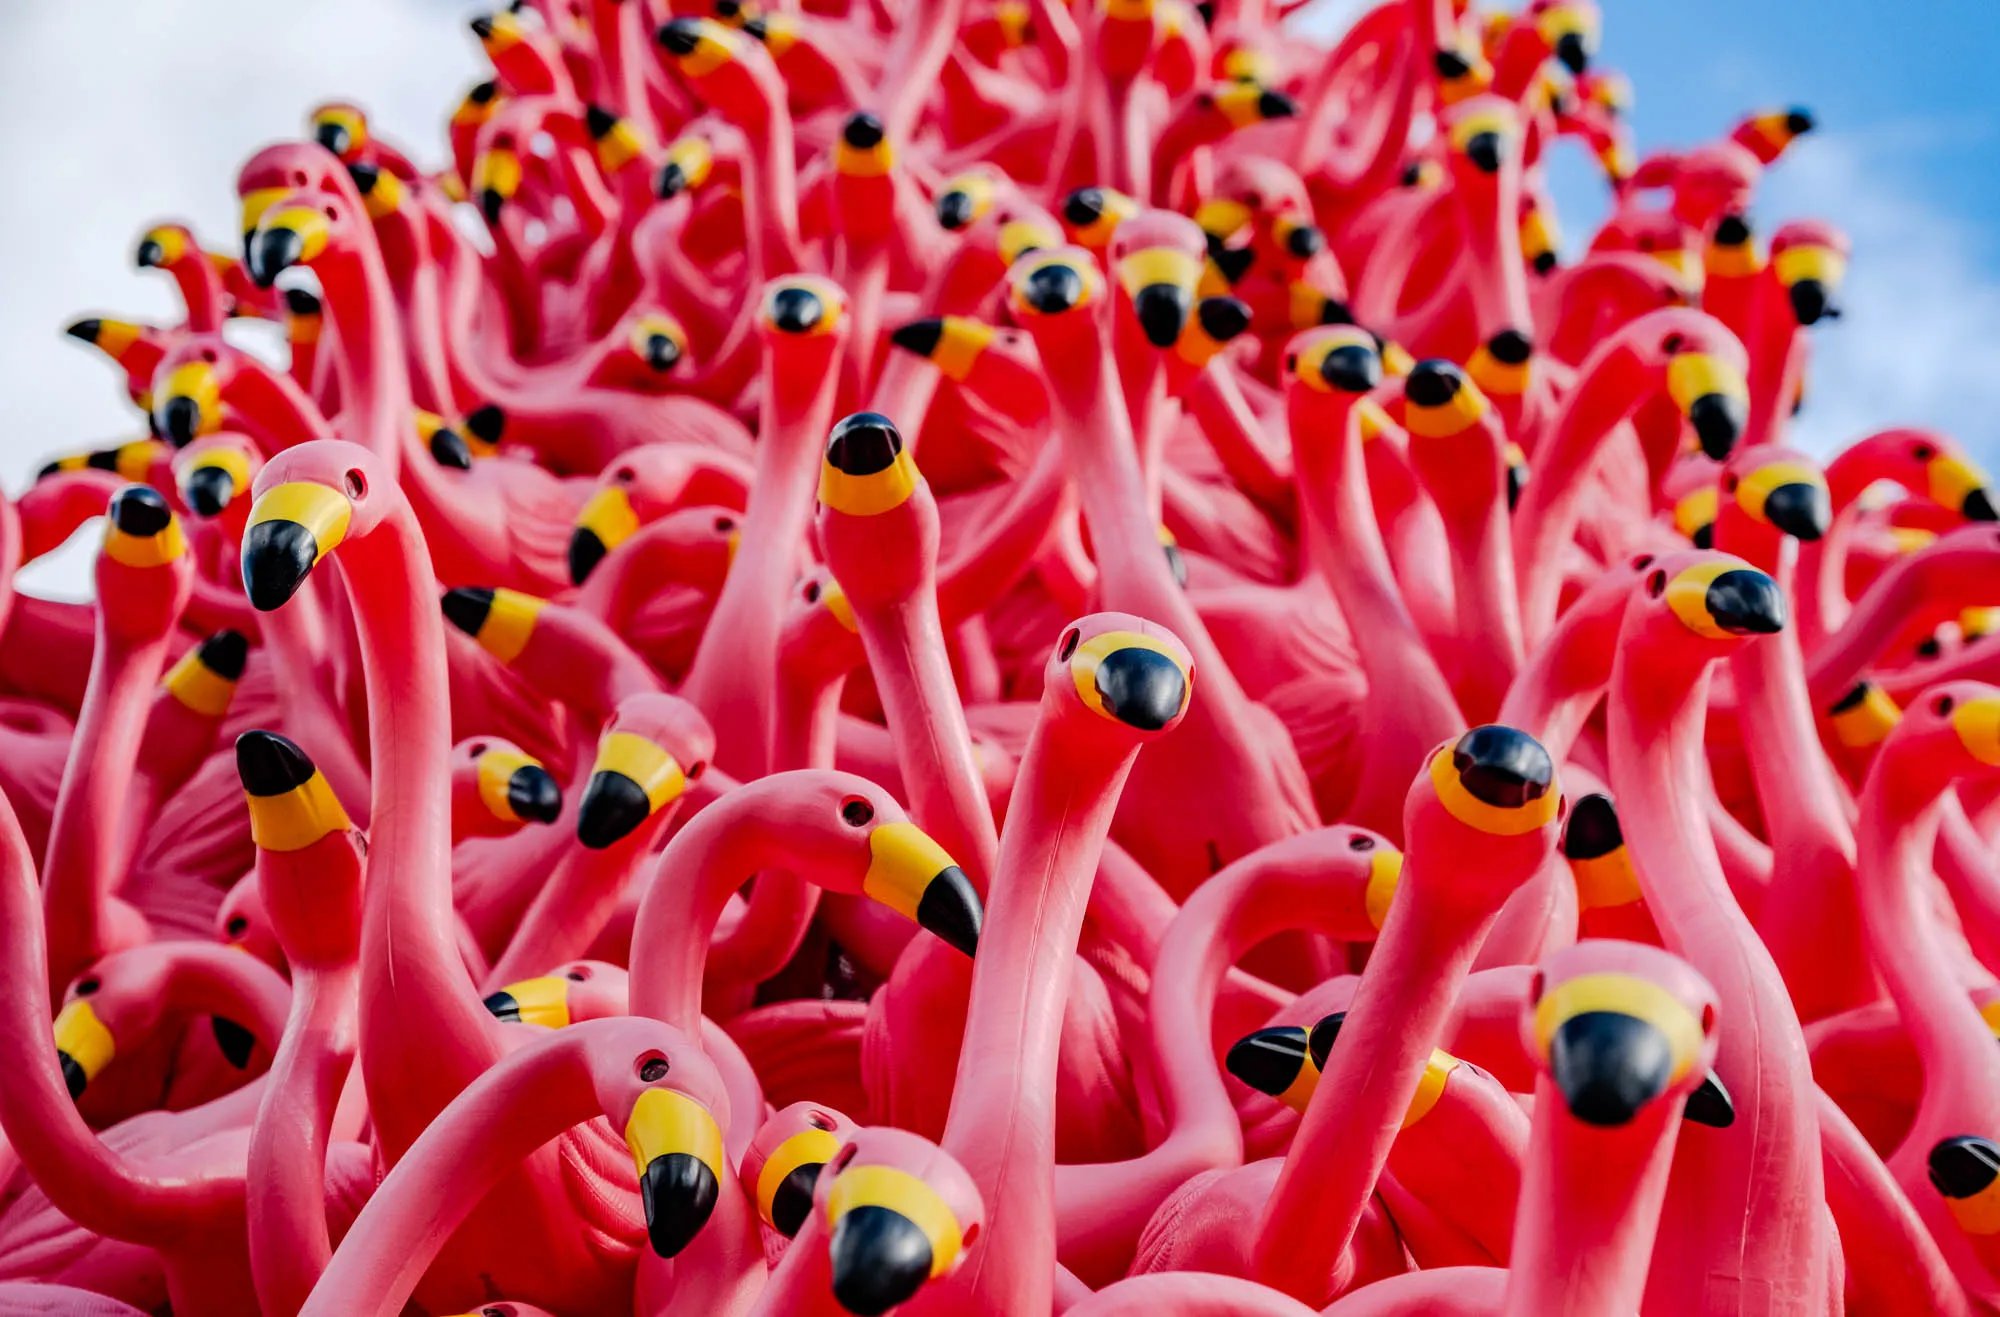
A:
{"x":83,"y":1046}
{"x":606,"y":522}
{"x":963,"y":201}
{"x":1864,"y":716}
{"x":1956,"y":483}
{"x":340,"y":131}
{"x":688,"y":161}
{"x":914,"y":876}
{"x":1964,"y":1169}
{"x":1811,"y":275}
{"x":502,"y":621}
{"x":891,"y":1233}
{"x":1161,"y":283}
{"x":1131,"y":679}
{"x":785,"y":1185}
{"x":1277,"y":1062}
{"x":291,"y":527}
{"x":677,"y":1148}
{"x":291,"y":803}
{"x":191,"y":404}
{"x":1977,"y":723}
{"x":1441,"y":400}
{"x":1725,"y":598}
{"x":952,"y":343}
{"x":1594,"y":844}
{"x":1497,"y":779}
{"x":543,"y":1001}
{"x":447,"y":446}
{"x":496,"y":177}
{"x":1614,"y":1042}
{"x":793,"y":307}
{"x":213,"y":479}
{"x":1051,"y":283}
{"x":286,"y":237}
{"x":1789,"y":495}
{"x":1713,"y":396}
{"x":142,"y":530}
{"x":633,"y":779}
{"x":160,"y":248}
{"x":205,"y":678}
{"x":867,"y":471}
{"x":516,"y":788}
{"x":863,"y":150}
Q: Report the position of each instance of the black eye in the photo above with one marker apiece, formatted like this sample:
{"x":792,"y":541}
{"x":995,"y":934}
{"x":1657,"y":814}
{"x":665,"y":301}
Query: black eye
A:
{"x":208,"y":355}
{"x":476,"y":749}
{"x":1729,"y":484}
{"x":857,"y":812}
{"x":1068,"y":646}
{"x":623,"y":475}
{"x":725,"y":524}
{"x":357,"y":484}
{"x":577,"y":976}
{"x":1941,"y":706}
{"x":1642,"y":562}
{"x":1656,"y":584}
{"x":1535,"y":989}
{"x":700,"y":767}
{"x":1672,"y":342}
{"x":1361,"y":843}
{"x":819,"y":1120}
{"x":653,"y":1069}
{"x":87,"y":986}
{"x":1923,"y":452}
{"x":235,"y":926}
{"x":812,"y":592}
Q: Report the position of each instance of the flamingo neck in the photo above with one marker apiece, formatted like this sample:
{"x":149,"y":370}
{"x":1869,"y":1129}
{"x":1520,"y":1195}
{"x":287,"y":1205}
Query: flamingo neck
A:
{"x":1777,"y":362}
{"x":426,"y":1035}
{"x":1001,"y":1126}
{"x":201,"y":289}
{"x":1900,"y":814}
{"x":735,"y":665}
{"x":83,"y":853}
{"x":275,"y":410}
{"x":1590,"y":1206}
{"x":906,"y":652}
{"x":1398,"y":1013}
{"x":289,"y":1242}
{"x":376,"y":393}
{"x":403,"y":238}
{"x":90,"y":1183}
{"x":623,"y":60}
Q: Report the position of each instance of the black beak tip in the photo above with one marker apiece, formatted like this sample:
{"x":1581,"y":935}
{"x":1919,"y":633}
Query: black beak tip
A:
{"x":1483,"y":150}
{"x":1222,"y":318}
{"x":482,"y":27}
{"x":586,"y":550}
{"x":1710,"y":1104}
{"x":1978,"y":506}
{"x":268,"y":764}
{"x":950,"y":909}
{"x":662,"y":353}
{"x":1803,"y":511}
{"x":1163,"y":311}
{"x":1268,"y":1060}
{"x":1142,"y":688}
{"x":235,"y":1041}
{"x":954,"y":210}
{"x":1433,"y":382}
{"x":1810,"y":301}
{"x":1799,"y":121}
{"x":448,"y":448}
{"x":1608,"y":1065}
{"x":1517,"y":484}
{"x":1083,"y":207}
{"x":502,"y":1007}
{"x":1305,"y":242}
{"x":1571,"y":51}
{"x":273,"y":252}
{"x":880,"y":1260}
{"x":1593,"y":829}
{"x":180,"y":418}
{"x":793,"y":1201}
{"x":1503,"y":766}
{"x":862,"y":131}
{"x":1052,"y":289}
{"x":1277,"y":105}
{"x":679,"y":1193}
{"x":1963,"y":1166}
{"x":73,"y":1077}
{"x":150,"y":254}
{"x":139,"y":510}
{"x":225,"y":653}
{"x":796,"y":310}
{"x":1746,"y":602}
{"x":1545,"y":262}
{"x":672,"y":181}
{"x":490,"y":205}
{"x":680,"y":36}
{"x":598,"y":121}
{"x":334,"y":137}
{"x":534,"y":795}
{"x":466,"y":607}
{"x":85,"y":330}
{"x":208,"y":490}
{"x":863,"y":444}
{"x":488,"y":423}
{"x":613,"y":807}
{"x":1718,"y":422}
{"x":1352,"y":368}
{"x":919,"y":336}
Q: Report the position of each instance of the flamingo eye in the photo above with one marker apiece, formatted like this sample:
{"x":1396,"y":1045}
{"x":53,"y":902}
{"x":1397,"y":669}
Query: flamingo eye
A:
{"x":856,"y":812}
{"x":1068,"y":646}
{"x":1923,"y":452}
{"x":1943,"y":705}
{"x":357,"y":484}
{"x":653,"y":1069}
{"x":1656,"y":585}
{"x":235,"y":926}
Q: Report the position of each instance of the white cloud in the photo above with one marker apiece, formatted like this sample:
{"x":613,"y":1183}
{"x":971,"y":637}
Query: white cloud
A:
{"x":119,"y":112}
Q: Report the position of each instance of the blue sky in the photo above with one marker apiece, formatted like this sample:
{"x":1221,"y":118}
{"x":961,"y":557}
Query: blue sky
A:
{"x":1905,"y":162}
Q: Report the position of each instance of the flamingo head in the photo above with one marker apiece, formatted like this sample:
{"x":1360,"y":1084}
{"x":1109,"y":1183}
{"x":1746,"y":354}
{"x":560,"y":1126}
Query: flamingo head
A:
{"x":655,"y":1084}
{"x":781,"y":1168}
{"x":341,"y":128}
{"x":1950,"y":731}
{"x":1810,"y":259}
{"x":216,"y":471}
{"x":649,"y":752}
{"x":496,"y":788}
{"x":878,"y":521}
{"x":1090,"y":215}
{"x":1707,"y":599}
{"x":901,"y":1213}
{"x":1156,"y":257}
{"x":241,"y":922}
{"x":309,"y":500}
{"x":1777,"y":489}
{"x":309,"y":853}
{"x":569,"y":994}
{"x":1928,"y":464}
{"x":1120,"y":677}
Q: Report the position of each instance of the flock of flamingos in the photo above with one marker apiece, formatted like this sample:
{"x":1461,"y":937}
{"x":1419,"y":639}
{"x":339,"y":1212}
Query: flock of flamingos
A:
{"x":858,"y":636}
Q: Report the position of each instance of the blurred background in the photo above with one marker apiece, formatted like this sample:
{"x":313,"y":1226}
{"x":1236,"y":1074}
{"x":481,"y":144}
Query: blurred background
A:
{"x":116,"y":113}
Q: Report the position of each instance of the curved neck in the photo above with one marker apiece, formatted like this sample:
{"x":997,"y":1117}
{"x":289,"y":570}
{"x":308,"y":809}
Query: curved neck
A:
{"x":87,"y":1181}
{"x":1590,"y":1206}
{"x":425,"y":1035}
{"x":377,"y":380}
{"x":906,"y":654}
{"x":1002,"y":1126}
{"x":1553,"y":696}
{"x":573,"y":905}
{"x":273,"y":409}
{"x":1610,"y":386}
{"x":289,"y":1242}
{"x":83,"y":852}
{"x":201,"y":289}
{"x":735,"y":665}
{"x":1777,"y":362}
